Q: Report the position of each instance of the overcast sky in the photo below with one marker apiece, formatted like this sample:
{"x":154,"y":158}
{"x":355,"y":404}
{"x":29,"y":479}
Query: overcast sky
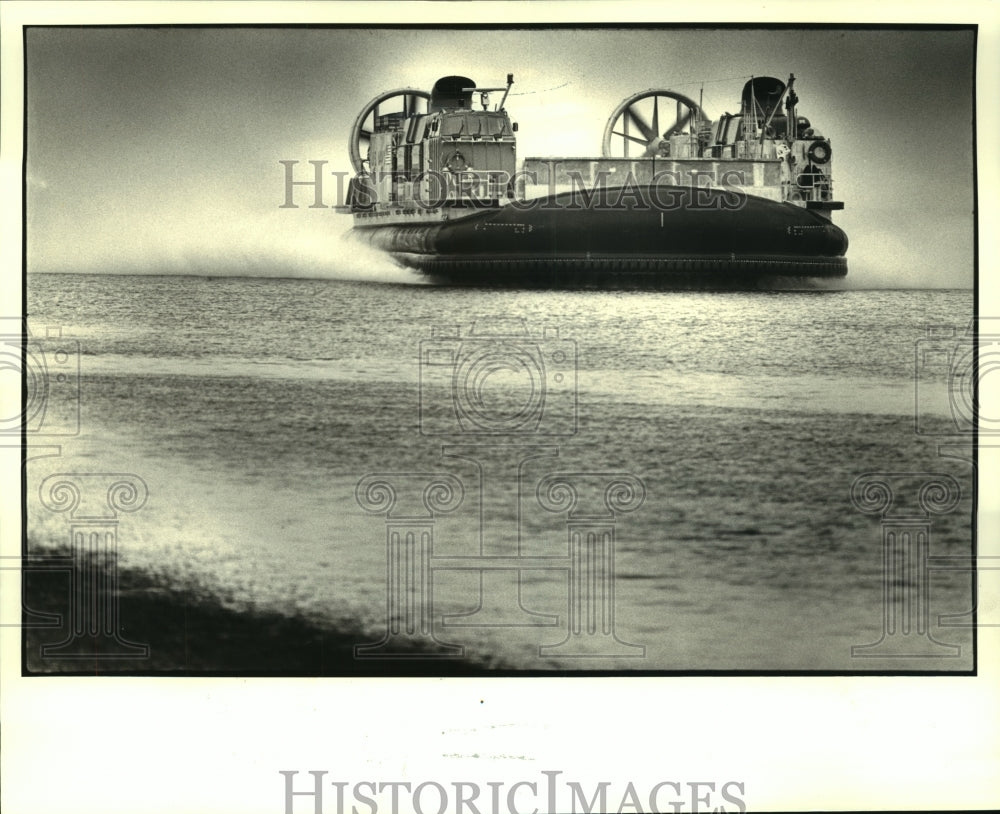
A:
{"x":153,"y":150}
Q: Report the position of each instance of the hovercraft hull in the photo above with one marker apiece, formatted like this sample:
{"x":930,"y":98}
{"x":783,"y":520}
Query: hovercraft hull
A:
{"x":654,"y":236}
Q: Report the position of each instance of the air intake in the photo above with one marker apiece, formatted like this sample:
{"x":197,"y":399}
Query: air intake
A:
{"x":451,"y":92}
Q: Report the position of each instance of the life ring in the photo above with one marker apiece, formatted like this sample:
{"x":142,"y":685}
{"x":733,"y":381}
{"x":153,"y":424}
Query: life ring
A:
{"x":819,"y":152}
{"x":457,"y":163}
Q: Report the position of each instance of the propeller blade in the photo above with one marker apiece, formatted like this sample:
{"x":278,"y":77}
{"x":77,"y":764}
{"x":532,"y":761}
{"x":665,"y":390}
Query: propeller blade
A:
{"x":656,"y":114}
{"x":648,"y":132}
{"x":630,"y":138}
{"x":680,"y":124}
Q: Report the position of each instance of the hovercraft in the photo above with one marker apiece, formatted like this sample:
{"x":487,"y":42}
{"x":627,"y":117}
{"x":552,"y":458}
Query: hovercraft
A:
{"x":676,"y":199}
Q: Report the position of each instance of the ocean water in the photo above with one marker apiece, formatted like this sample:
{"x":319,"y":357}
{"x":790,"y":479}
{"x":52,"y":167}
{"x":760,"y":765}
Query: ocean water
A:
{"x":253,"y":407}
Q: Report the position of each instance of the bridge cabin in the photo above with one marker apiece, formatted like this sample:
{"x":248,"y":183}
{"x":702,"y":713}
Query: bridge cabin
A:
{"x":455,"y":155}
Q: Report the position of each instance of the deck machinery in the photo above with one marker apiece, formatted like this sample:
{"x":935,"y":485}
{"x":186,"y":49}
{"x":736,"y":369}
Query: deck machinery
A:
{"x":675,"y":198}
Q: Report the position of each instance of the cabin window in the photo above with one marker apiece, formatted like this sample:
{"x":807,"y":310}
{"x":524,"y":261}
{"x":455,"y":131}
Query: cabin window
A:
{"x":453,"y":126}
{"x":497,"y":126}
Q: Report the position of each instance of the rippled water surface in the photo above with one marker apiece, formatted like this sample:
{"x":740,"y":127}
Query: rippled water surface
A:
{"x":253,"y":407}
